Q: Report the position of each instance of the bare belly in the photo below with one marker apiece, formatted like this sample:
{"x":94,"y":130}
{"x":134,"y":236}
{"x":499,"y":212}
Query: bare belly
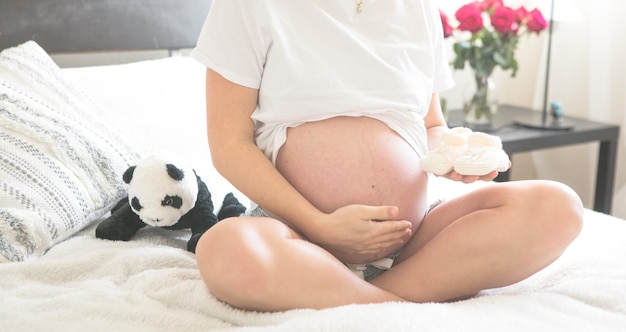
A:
{"x":345,"y":160}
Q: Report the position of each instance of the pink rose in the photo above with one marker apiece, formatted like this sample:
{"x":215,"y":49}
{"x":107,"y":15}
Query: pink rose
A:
{"x":503,"y":19}
{"x":536,"y":22}
{"x":470,"y":17}
{"x":447,"y":28}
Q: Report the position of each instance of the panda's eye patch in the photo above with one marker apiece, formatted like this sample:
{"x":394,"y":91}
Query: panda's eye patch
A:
{"x":173,"y":201}
{"x":135,"y":204}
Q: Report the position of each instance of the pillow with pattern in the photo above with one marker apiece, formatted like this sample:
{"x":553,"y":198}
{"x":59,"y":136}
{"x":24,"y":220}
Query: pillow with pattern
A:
{"x":61,"y":165}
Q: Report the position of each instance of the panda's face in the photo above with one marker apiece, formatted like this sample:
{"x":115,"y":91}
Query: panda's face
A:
{"x":160,"y":192}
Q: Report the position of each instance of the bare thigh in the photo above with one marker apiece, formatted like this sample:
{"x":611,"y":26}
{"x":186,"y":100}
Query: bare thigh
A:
{"x":437,"y":219}
{"x":492,"y":237}
{"x":445,"y":214}
{"x":259,"y":263}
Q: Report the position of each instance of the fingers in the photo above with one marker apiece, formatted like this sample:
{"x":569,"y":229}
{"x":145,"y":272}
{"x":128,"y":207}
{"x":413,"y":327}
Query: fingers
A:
{"x":489,"y":177}
{"x":385,"y":231}
{"x":390,"y":233}
{"x":367,"y":229}
{"x":400,"y":231}
{"x":385,"y":219}
{"x":462,"y":178}
{"x":381,"y":239}
{"x":470,"y":178}
{"x":378,"y":213}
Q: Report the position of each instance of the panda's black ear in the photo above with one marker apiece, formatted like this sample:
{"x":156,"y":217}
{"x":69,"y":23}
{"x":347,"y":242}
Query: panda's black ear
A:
{"x":128,"y":175}
{"x":175,"y":172}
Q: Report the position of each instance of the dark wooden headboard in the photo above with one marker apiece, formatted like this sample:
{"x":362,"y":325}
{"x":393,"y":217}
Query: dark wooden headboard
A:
{"x":71,"y":26}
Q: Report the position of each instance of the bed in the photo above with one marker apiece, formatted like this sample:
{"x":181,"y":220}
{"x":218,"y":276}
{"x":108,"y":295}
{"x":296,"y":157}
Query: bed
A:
{"x":67,"y":134}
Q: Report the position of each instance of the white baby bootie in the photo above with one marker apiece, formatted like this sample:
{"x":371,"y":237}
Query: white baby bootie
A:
{"x":484,"y":154}
{"x":453,"y":144}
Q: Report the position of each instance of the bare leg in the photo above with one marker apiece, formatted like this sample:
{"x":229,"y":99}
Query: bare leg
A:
{"x":495,"y":236}
{"x":261,"y":264}
{"x":489,"y":238}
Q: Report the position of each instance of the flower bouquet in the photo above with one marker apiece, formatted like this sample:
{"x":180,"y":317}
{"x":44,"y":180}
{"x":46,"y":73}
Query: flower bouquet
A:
{"x":487,"y":33}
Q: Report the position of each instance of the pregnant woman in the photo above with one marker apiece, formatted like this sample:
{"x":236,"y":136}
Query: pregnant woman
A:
{"x":320,"y":112}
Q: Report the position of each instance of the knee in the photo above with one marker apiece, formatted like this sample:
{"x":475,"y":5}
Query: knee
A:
{"x":557,"y":211}
{"x":234,"y":261}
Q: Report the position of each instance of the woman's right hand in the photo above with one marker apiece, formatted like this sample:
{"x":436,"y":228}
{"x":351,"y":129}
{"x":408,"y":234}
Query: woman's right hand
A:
{"x":362,"y":229}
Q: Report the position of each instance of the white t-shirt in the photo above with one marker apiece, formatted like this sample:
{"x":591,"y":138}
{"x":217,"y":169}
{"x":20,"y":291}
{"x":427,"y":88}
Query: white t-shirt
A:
{"x":316,"y":59}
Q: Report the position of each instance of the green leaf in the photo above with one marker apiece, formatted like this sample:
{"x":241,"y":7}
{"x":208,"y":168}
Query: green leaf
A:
{"x":502,"y":60}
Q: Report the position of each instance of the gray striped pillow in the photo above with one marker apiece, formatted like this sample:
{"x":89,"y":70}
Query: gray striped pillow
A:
{"x":60,"y":164}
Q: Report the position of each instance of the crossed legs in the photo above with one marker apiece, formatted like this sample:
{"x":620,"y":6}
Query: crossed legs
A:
{"x":261,"y":264}
{"x":492,"y":237}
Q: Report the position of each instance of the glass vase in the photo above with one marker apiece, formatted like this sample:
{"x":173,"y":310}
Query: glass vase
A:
{"x":480,"y":103}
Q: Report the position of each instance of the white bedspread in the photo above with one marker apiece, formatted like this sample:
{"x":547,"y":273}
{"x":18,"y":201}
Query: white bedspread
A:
{"x":151,"y":284}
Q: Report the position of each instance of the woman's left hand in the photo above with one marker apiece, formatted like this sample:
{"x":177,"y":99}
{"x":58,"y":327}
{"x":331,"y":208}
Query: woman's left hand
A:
{"x":470,"y":178}
{"x":452,"y":175}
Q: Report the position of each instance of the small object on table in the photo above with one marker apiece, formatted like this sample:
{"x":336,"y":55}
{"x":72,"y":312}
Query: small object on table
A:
{"x":556,"y":110}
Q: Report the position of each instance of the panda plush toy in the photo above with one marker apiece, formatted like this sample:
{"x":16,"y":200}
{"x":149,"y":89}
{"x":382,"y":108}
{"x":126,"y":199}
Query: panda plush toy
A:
{"x":169,"y":194}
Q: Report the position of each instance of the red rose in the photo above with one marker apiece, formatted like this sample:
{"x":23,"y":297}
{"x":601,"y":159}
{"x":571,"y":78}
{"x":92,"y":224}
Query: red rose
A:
{"x":536,"y":22}
{"x":487,"y":5}
{"x":503,"y":19}
{"x":521,"y":14}
{"x":447,"y":28}
{"x":470,"y":17}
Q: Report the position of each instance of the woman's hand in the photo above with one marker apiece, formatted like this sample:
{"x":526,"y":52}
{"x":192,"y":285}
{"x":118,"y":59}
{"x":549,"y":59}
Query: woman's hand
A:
{"x":361,"y":229}
{"x":470,"y":178}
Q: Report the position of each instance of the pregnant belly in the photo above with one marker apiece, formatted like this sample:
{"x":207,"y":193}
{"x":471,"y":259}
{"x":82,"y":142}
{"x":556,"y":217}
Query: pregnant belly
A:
{"x":348,"y":160}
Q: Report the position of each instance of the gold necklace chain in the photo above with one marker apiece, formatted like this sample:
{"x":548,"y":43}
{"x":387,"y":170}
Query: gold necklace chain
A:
{"x":359,"y":6}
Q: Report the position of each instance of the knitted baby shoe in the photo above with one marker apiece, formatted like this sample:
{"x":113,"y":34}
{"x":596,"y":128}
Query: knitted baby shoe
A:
{"x":453,"y":144}
{"x":484,"y":154}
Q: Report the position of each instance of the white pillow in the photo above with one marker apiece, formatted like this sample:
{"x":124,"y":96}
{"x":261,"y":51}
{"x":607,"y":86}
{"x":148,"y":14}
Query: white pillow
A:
{"x":161,"y":102}
{"x":60,"y":164}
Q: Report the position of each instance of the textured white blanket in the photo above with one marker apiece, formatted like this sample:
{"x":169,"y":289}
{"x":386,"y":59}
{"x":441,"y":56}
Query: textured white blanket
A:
{"x":151,"y":284}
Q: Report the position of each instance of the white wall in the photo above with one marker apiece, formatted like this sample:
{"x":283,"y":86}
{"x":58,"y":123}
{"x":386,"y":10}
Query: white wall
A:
{"x":588,"y":77}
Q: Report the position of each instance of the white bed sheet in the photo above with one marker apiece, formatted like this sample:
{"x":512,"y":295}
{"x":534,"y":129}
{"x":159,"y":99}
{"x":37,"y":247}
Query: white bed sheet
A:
{"x":151,"y":283}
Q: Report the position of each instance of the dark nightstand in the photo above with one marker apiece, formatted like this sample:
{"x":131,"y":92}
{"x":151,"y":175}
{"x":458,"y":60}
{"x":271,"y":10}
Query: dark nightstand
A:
{"x":520,"y":139}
